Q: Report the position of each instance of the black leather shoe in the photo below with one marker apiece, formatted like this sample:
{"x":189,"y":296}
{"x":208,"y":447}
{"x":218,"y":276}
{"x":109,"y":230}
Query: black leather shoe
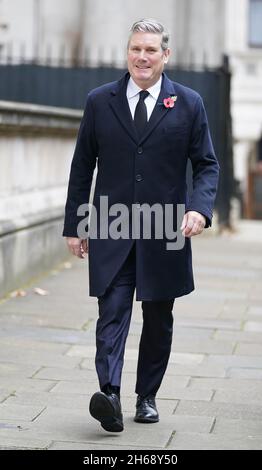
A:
{"x":146,"y":410}
{"x":106,"y":408}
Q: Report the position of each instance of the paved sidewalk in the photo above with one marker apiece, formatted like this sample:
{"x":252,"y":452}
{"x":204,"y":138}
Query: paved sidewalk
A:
{"x":210,"y":397}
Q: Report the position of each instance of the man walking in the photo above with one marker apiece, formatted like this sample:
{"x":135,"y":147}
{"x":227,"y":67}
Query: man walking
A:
{"x":139,"y":132}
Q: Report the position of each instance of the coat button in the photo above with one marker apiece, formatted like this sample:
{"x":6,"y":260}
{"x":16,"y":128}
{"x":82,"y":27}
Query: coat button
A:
{"x":139,"y":178}
{"x":140,"y":150}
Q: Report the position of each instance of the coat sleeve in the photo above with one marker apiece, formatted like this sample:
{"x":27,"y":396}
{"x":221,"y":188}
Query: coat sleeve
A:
{"x":204,"y":164}
{"x":81,"y":173}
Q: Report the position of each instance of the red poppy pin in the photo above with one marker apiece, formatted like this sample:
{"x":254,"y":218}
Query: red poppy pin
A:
{"x":170,"y":101}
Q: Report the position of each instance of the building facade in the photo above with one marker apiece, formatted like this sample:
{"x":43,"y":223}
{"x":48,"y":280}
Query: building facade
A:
{"x":202,"y":31}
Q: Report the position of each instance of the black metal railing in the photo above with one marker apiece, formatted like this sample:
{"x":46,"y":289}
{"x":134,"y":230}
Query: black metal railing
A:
{"x":67,"y":86}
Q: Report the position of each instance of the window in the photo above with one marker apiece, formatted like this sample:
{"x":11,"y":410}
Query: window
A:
{"x":255,"y":23}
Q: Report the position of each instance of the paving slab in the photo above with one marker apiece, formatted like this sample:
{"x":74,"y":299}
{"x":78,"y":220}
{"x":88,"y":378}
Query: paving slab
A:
{"x":20,"y":412}
{"x":44,"y":334}
{"x":238,"y":396}
{"x":243,"y":411}
{"x":58,"y":445}
{"x":245,"y":373}
{"x":9,"y":369}
{"x":28,"y":344}
{"x":205,"y":346}
{"x":186,"y":393}
{"x":238,"y":336}
{"x":255,"y":326}
{"x":14,"y":384}
{"x":233,"y":360}
{"x":210,"y":397}
{"x":238,"y":427}
{"x":196,"y":441}
{"x":57,"y":374}
{"x":243,"y":349}
{"x":197,"y":370}
{"x":228,"y":384}
{"x":20,"y":443}
{"x":41,"y":358}
{"x":4,"y":394}
{"x":43,"y":399}
{"x":64,"y":423}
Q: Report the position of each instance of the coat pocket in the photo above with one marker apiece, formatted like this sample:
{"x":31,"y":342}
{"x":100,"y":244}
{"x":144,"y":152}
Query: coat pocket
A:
{"x":176,"y":130}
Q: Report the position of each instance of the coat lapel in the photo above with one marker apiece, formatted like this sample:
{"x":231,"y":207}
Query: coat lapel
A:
{"x":159,"y":111}
{"x":120,"y":107}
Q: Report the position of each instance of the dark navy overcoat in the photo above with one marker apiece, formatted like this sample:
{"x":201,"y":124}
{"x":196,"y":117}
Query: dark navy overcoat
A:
{"x":134,"y":171}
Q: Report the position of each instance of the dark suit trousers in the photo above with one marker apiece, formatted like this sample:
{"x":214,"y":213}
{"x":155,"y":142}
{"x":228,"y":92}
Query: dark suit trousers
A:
{"x":115,"y":308}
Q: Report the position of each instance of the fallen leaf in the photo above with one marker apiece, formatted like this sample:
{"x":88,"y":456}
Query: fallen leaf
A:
{"x":67,"y":265}
{"x":18,"y":293}
{"x":40,"y":291}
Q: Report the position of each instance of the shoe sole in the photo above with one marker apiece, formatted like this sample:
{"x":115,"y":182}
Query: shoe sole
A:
{"x":102,"y":410}
{"x":146,"y":420}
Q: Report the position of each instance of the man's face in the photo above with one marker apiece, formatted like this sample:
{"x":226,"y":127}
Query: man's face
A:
{"x":146,"y":58}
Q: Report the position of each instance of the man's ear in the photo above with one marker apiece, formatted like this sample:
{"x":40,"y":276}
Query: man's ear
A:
{"x":167,"y":54}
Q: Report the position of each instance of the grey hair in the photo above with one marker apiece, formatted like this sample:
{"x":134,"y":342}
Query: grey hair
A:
{"x":149,"y":25}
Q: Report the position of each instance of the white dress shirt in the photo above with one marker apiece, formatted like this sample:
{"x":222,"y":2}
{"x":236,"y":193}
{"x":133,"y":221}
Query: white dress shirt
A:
{"x":132,"y":93}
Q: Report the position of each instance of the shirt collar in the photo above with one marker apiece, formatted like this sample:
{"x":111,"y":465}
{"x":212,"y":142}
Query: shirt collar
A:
{"x":133,"y":89}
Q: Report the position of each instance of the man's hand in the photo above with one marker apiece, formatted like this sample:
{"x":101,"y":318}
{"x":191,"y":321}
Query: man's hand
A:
{"x":193,"y":224}
{"x":77,"y":246}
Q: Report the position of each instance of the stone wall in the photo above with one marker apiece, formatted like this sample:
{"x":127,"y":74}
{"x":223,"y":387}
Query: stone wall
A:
{"x":36,"y":147}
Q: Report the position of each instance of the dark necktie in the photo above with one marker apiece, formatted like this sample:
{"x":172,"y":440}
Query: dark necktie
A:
{"x":140,"y":117}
